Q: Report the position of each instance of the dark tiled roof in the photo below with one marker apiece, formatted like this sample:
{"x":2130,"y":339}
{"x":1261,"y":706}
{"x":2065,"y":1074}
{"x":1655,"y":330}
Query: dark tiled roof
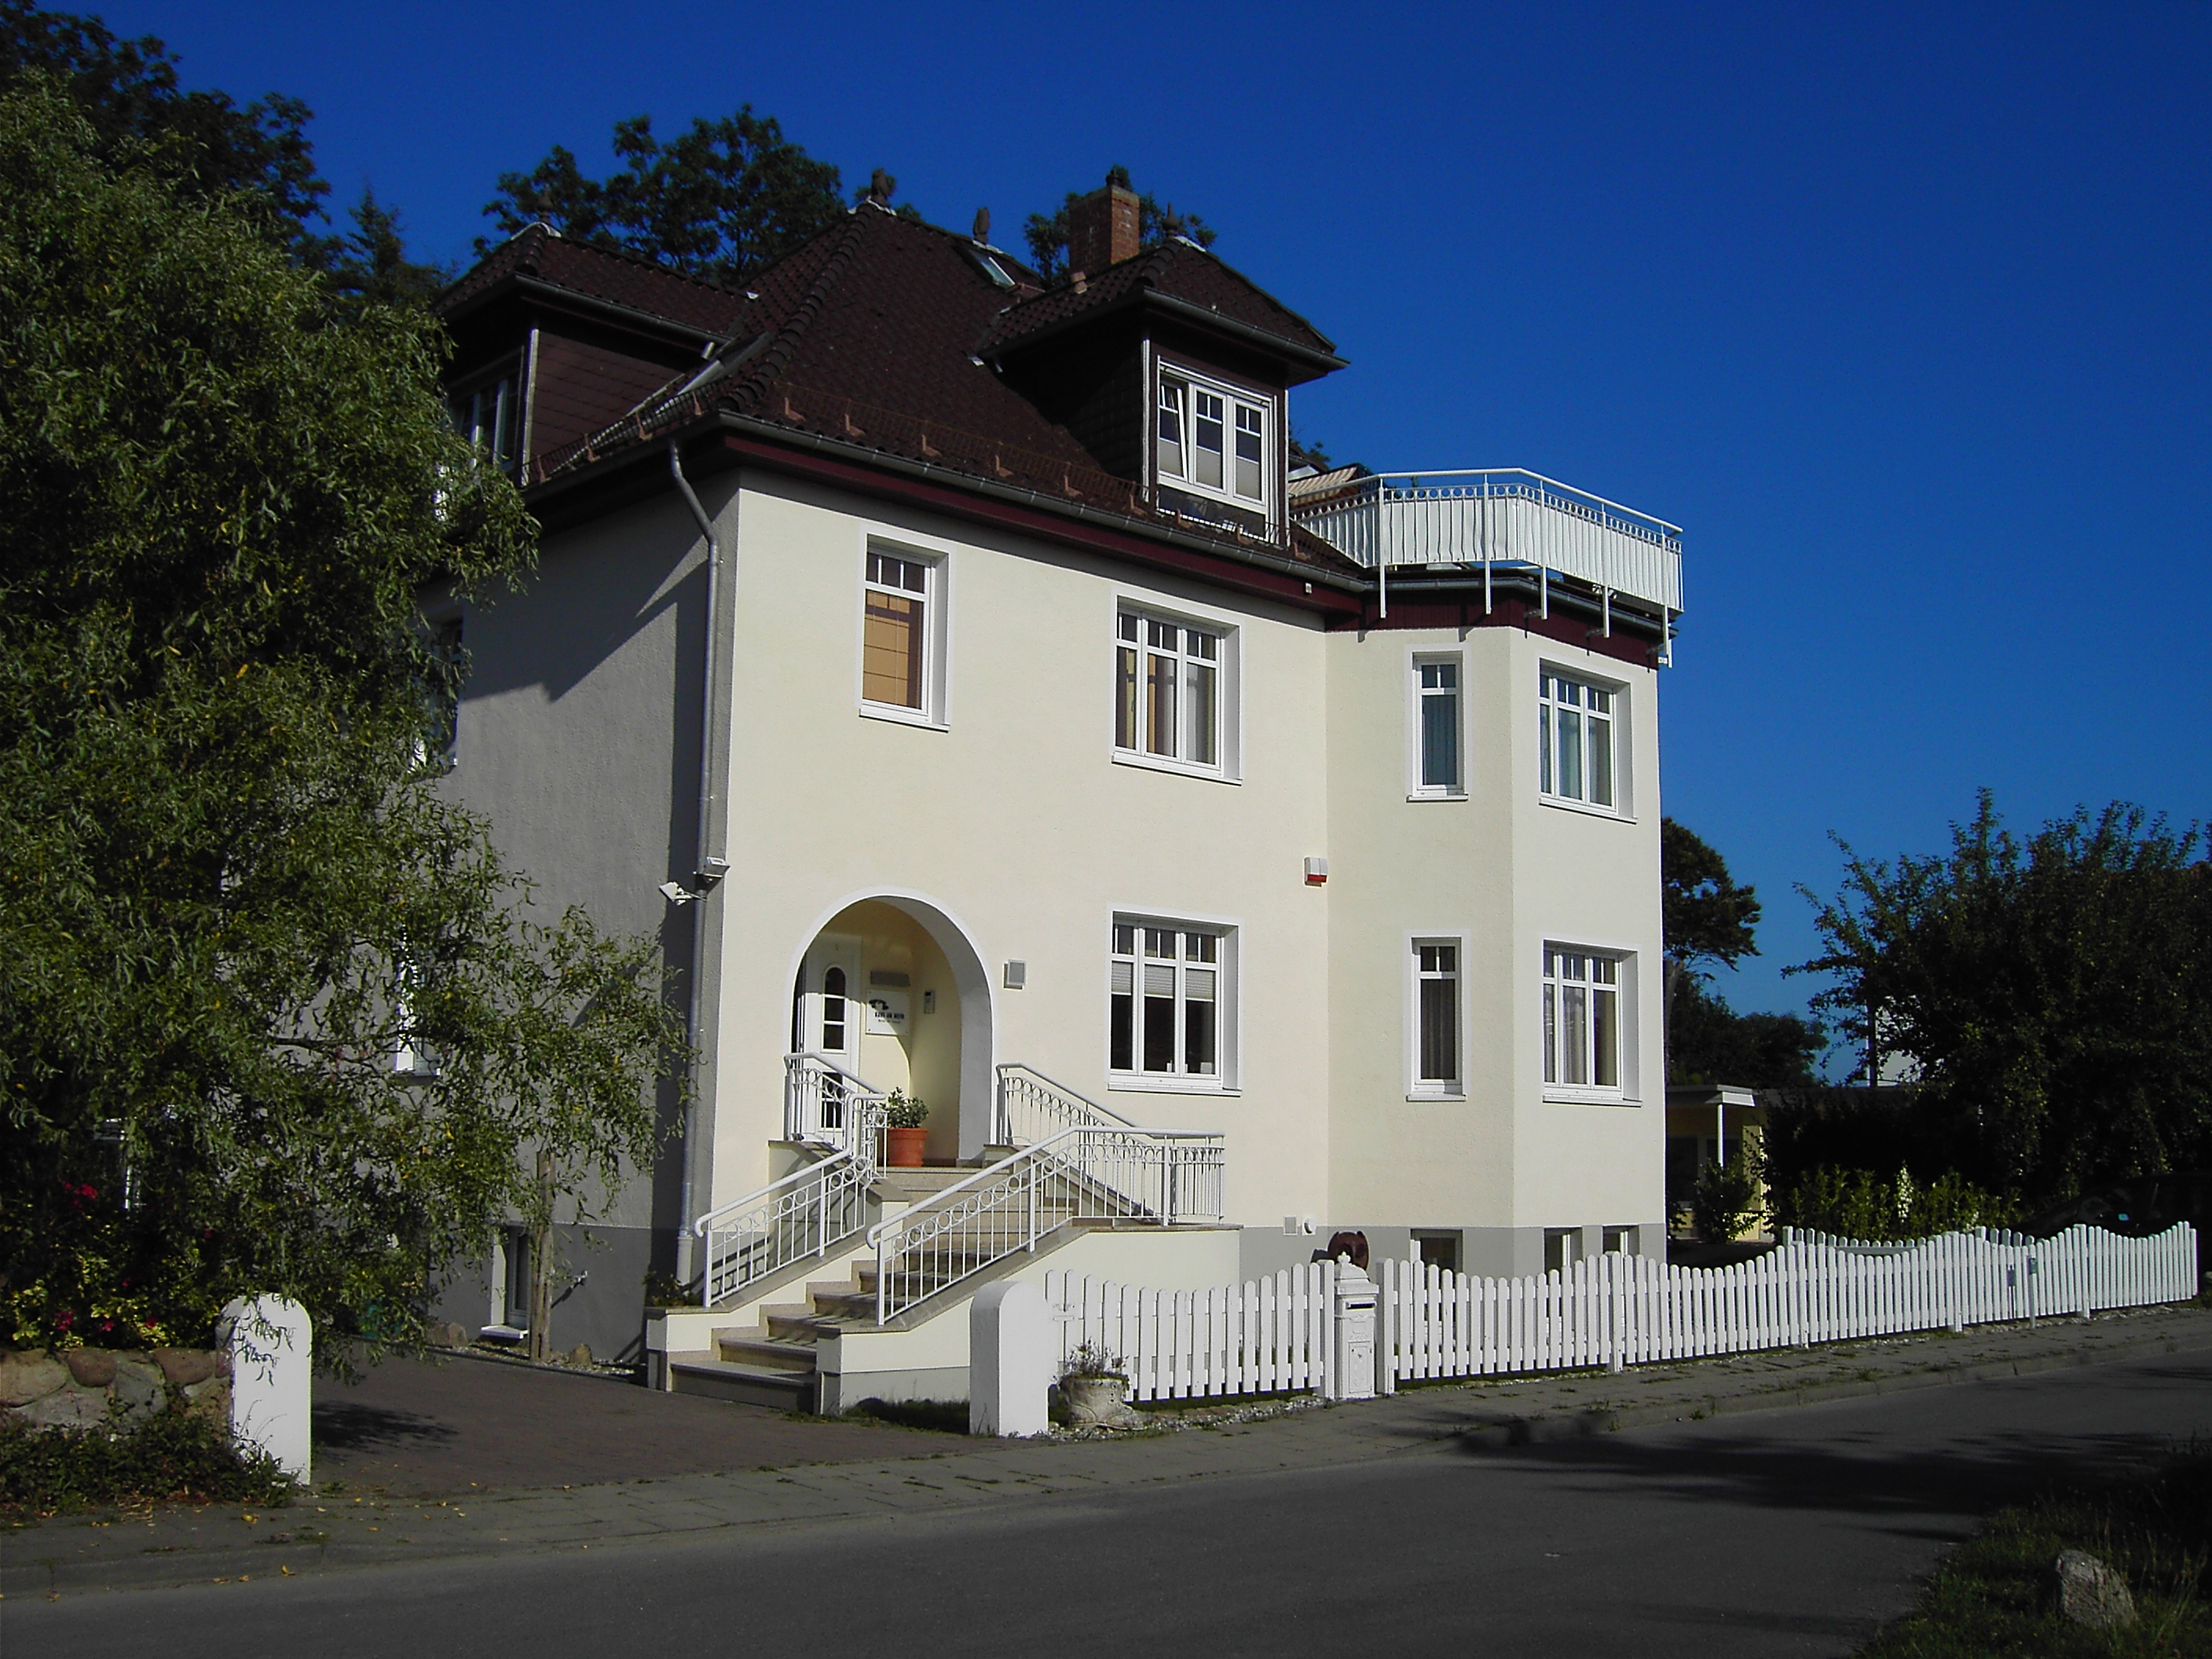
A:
{"x":870,"y":335}
{"x":1177,"y":270}
{"x":621,"y":279}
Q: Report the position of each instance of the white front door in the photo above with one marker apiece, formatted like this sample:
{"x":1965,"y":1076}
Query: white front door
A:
{"x":831,"y":1003}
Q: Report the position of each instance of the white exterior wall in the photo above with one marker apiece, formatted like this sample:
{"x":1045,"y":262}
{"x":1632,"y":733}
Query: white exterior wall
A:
{"x":1015,"y":821}
{"x":1501,"y":871}
{"x":579,"y":733}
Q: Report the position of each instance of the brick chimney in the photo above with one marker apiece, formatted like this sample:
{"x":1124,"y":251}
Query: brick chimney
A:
{"x":1102,"y":228}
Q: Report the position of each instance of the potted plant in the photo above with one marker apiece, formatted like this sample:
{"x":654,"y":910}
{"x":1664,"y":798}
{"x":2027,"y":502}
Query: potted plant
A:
{"x":905,"y":1121}
{"x":1096,"y":1390}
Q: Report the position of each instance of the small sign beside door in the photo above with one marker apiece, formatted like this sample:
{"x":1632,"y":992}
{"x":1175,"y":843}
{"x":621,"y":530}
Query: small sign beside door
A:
{"x":887,"y":1013}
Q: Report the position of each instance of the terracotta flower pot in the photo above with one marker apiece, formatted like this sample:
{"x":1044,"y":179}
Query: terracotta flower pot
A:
{"x":902,"y":1147}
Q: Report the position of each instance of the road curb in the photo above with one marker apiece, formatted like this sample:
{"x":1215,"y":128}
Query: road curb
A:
{"x":1544,"y":1429}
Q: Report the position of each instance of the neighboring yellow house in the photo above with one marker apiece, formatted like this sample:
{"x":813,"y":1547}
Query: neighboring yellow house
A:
{"x":1708,"y":1123}
{"x":955,"y":673}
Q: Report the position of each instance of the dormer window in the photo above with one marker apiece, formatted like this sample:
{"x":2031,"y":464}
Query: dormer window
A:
{"x":1212,"y":439}
{"x":490,"y":415}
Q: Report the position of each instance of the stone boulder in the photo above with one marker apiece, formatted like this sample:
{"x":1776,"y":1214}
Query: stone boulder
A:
{"x":139,"y":1390}
{"x":28,"y":1376}
{"x":449,"y":1335}
{"x":580,"y":1357}
{"x":2092,"y":1594}
{"x":185,"y":1366}
{"x":93,"y":1368}
{"x":72,"y":1407}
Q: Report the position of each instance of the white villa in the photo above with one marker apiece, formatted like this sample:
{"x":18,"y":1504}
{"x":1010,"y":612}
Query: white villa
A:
{"x":955,"y":673}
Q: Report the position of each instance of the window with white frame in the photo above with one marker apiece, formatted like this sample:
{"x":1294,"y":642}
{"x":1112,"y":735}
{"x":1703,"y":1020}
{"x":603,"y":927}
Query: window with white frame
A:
{"x":1581,"y":1019}
{"x":490,"y":415}
{"x":1437,"y":763}
{"x":1170,"y":691}
{"x":1436,"y":1016}
{"x":901,"y":635}
{"x":1576,"y":730}
{"x":1212,"y":439}
{"x":1167,"y":1002}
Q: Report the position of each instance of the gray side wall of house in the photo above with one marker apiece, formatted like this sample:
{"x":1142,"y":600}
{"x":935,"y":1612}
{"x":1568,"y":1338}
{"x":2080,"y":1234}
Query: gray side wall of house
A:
{"x":597,"y":1298}
{"x":579,"y":741}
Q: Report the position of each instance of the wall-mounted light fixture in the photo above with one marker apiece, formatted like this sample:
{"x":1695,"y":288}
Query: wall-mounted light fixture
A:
{"x":704,"y":882}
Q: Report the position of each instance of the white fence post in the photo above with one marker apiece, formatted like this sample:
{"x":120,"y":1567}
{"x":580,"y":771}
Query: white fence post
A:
{"x":270,"y":1342}
{"x":1009,"y":1360}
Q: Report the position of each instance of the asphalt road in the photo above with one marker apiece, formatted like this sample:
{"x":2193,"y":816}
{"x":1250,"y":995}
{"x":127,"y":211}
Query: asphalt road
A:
{"x":1789,"y":1532}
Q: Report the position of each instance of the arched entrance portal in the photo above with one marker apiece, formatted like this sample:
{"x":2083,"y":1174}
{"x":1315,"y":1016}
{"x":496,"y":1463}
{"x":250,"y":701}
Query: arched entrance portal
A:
{"x":890,"y":987}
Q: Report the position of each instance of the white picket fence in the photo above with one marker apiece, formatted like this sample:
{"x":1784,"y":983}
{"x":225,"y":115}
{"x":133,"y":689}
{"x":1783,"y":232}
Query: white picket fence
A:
{"x":1276,"y":1335}
{"x":1264,"y":1336}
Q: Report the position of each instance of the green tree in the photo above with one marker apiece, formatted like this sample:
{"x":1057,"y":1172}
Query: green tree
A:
{"x":1707,"y":919}
{"x":1156,"y":220}
{"x":2055,"y":993}
{"x":232,"y":897}
{"x":1708,"y":1042}
{"x":370,"y":267}
{"x":202,"y":141}
{"x":719,"y":201}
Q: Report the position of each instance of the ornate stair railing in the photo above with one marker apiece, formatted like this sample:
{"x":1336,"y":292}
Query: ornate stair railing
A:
{"x":1032,"y":1107}
{"x":825,"y":1105}
{"x":1114,"y":1171}
{"x":811,"y":1210}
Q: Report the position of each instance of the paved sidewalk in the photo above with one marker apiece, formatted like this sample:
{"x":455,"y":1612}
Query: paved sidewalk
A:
{"x":335,"y":1532}
{"x":460,"y":1426}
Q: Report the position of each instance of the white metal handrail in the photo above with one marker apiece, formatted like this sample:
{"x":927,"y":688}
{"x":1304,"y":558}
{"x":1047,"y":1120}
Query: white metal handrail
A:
{"x":825,"y":1105}
{"x":1114,"y":1172}
{"x":1032,"y":1107}
{"x":1505,"y":516}
{"x":810,"y":1210}
{"x":804,"y":1214}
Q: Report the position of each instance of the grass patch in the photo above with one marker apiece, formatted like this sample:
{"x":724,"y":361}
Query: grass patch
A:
{"x":173,"y":1456}
{"x":1998,"y":1594}
{"x":945,"y":1416}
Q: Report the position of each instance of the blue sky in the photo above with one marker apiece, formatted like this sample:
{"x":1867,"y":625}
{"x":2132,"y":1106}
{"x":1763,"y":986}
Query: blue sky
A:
{"x":1901,"y":312}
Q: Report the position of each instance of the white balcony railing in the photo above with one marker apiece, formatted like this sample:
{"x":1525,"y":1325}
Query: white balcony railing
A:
{"x":1494,"y":516}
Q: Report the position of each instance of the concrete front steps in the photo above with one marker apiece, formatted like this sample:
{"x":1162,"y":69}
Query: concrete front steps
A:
{"x":826,"y":1354}
{"x":769,"y":1361}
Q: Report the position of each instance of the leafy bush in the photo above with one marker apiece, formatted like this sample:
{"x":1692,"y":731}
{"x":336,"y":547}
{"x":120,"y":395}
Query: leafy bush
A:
{"x":1860,"y":1204}
{"x":666,"y":1289}
{"x":175,"y":1455}
{"x":1728,"y":1198}
{"x":905,"y":1111}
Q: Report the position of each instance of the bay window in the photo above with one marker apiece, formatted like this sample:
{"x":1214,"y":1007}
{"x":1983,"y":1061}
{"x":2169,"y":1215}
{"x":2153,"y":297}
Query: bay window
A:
{"x":1438,"y":770}
{"x":1576,"y":721}
{"x":1436,"y":1016}
{"x":1581,"y":1020}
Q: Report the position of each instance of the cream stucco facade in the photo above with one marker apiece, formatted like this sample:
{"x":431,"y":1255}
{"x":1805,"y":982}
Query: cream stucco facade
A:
{"x":1000,"y":826}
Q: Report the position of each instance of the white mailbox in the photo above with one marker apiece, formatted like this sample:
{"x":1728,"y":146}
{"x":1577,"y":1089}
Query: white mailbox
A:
{"x":1354,"y":1373}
